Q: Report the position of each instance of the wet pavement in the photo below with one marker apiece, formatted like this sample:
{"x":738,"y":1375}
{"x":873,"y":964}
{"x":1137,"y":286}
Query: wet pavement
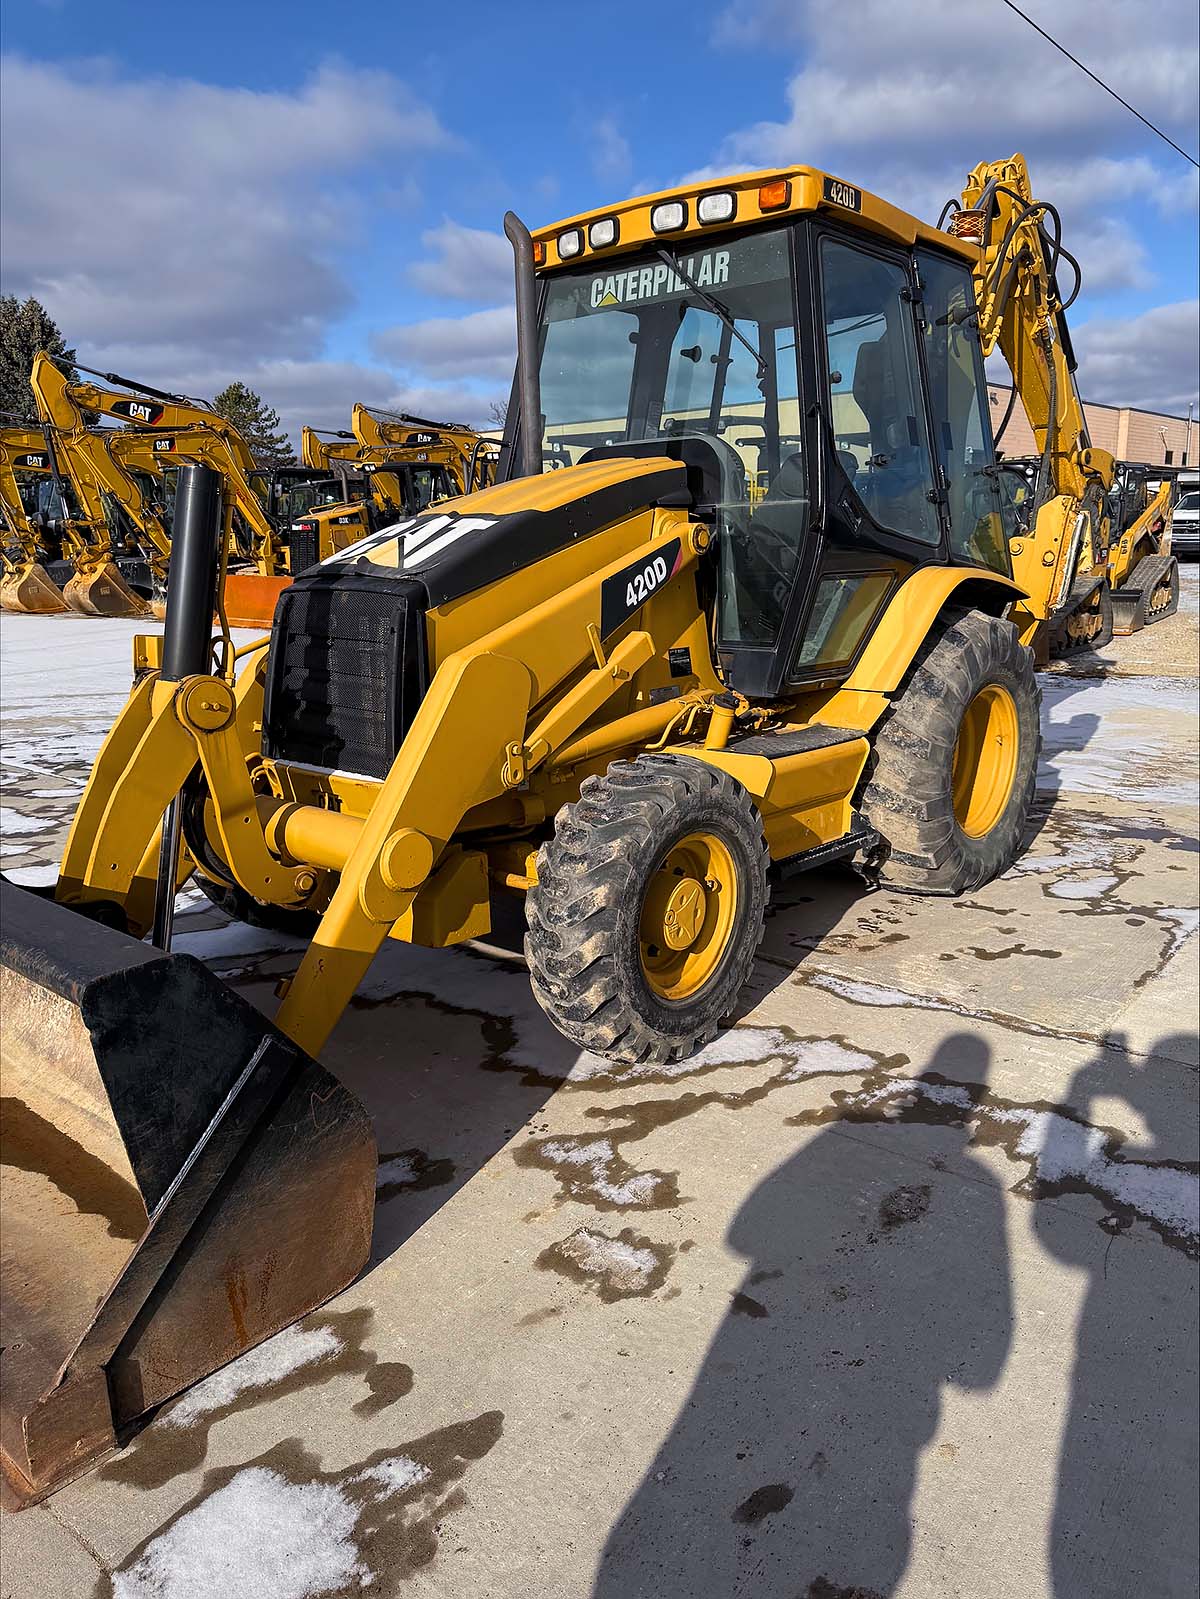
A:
{"x":891,"y":1291}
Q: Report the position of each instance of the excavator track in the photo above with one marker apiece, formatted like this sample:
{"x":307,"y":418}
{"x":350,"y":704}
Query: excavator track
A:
{"x":1151,"y":595}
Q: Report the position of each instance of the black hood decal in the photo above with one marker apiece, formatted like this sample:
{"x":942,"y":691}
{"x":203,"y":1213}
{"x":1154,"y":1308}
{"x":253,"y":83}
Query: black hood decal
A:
{"x":452,"y":552}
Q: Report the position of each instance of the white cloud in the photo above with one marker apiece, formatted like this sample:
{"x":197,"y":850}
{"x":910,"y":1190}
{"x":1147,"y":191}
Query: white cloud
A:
{"x":469,"y":264}
{"x":612,"y":160}
{"x":904,"y":99}
{"x":191,"y":216}
{"x":1147,"y":361}
{"x":480,"y":345}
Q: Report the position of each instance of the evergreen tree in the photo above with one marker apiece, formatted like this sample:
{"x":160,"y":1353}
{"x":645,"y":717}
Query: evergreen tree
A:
{"x":25,"y":328}
{"x":257,"y":423}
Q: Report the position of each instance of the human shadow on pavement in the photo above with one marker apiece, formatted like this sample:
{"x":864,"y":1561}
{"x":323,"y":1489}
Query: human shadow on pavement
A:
{"x":1125,"y":1515}
{"x":878,"y":1273}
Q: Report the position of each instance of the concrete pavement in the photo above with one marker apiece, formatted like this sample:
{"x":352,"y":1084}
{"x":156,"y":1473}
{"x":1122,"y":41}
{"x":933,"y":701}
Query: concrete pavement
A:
{"x":891,"y":1291}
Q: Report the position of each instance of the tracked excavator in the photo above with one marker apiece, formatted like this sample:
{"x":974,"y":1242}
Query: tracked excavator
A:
{"x":25,"y":585}
{"x":65,"y":531}
{"x":179,"y":427}
{"x":411,"y":463}
{"x":1143,"y":574}
{"x":748,"y":600}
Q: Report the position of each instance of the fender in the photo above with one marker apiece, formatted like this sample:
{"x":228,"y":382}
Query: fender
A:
{"x":905,"y":623}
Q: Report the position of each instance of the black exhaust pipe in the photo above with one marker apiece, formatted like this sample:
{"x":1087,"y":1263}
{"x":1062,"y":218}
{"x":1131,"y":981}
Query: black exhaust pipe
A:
{"x":192,"y":596}
{"x":187,"y":642}
{"x":527,"y":382}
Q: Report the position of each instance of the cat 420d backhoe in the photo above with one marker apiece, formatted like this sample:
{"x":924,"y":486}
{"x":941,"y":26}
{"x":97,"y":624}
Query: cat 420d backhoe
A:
{"x":623,"y":687}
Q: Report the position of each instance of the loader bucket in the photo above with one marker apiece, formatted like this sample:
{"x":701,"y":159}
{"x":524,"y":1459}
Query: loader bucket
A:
{"x":179,"y":1181}
{"x":28,"y":588}
{"x":102,"y":591}
{"x":250,"y":598}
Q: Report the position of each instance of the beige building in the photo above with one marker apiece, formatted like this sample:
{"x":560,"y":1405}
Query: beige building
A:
{"x":1129,"y":435}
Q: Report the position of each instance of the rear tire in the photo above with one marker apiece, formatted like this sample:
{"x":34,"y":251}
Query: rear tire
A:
{"x":955,"y":760}
{"x":648,"y":909}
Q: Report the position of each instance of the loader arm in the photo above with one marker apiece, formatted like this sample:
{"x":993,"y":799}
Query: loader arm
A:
{"x":1061,"y":561}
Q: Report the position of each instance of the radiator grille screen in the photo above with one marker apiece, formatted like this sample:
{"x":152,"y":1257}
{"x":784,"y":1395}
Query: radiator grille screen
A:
{"x":302,"y":549}
{"x":346,"y":676}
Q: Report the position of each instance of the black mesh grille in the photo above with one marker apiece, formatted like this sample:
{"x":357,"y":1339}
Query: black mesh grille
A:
{"x":302,"y":548}
{"x":346,"y":676}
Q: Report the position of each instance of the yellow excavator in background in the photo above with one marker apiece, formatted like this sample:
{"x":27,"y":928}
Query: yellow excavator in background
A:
{"x":25,"y":584}
{"x":411,"y":461}
{"x":750,"y":601}
{"x":65,"y":531}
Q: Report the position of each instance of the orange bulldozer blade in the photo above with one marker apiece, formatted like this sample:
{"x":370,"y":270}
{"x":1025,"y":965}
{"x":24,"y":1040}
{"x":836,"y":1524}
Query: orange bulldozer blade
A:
{"x":29,"y":588}
{"x":179,"y":1181}
{"x":250,"y":598}
{"x":102,"y":591}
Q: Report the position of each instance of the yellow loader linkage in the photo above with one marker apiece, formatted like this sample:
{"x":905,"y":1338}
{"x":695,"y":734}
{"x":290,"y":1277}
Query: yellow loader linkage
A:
{"x":761,"y":609}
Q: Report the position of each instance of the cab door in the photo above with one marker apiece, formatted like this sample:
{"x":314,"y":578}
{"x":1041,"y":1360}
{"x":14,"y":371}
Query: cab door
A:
{"x":883,"y":509}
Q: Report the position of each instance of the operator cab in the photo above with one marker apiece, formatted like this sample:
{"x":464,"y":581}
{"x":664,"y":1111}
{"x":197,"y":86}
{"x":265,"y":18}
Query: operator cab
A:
{"x":833,"y":449}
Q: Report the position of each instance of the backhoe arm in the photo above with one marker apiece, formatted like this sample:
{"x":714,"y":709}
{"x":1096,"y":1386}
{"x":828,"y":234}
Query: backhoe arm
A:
{"x":1022,"y":311}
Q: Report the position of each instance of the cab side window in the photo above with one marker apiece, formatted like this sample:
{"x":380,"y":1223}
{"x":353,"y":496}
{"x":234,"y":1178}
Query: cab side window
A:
{"x":958,"y":400}
{"x":875,"y":400}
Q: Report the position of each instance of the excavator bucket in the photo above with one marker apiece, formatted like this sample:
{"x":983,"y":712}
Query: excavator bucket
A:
{"x":179,"y":1181}
{"x":29,"y":588}
{"x":102,"y":591}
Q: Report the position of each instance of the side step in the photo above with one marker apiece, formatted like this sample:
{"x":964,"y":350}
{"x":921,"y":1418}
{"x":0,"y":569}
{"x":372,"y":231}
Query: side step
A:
{"x":860,"y":837}
{"x":774,"y":746}
{"x":180,"y":1181}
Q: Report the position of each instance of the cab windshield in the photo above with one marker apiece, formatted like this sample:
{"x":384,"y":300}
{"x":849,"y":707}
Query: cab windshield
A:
{"x":632,"y":353}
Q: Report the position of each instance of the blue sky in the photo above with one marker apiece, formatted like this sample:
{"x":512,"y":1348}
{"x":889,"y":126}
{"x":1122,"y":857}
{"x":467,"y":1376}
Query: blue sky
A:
{"x":310,"y":198}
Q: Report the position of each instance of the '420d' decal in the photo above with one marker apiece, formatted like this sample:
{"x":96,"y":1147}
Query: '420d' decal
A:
{"x":623,"y":592}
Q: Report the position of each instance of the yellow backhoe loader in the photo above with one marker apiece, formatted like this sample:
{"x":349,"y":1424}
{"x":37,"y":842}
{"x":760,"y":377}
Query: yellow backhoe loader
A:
{"x":623,"y":687}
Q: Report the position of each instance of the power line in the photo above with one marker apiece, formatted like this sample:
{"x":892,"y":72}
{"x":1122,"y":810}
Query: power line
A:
{"x":1101,"y":82}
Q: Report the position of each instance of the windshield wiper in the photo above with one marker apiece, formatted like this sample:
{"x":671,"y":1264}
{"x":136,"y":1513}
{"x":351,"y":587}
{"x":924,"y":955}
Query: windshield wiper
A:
{"x":717,"y":307}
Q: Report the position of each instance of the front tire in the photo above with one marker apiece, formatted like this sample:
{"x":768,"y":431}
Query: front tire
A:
{"x":955,"y":761}
{"x":648,"y":909}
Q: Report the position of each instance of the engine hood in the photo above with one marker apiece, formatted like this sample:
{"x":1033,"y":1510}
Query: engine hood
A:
{"x":462,"y":545}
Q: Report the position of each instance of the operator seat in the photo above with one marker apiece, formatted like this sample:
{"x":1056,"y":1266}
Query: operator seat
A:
{"x":715,"y":475}
{"x":894,"y":485}
{"x":783,"y":509}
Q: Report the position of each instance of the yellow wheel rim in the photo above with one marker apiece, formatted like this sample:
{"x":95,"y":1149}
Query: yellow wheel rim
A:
{"x":687,"y":916}
{"x":985,"y":760}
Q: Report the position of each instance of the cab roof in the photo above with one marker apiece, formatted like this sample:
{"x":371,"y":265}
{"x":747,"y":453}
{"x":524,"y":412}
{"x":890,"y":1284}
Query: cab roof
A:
{"x":765,"y":196}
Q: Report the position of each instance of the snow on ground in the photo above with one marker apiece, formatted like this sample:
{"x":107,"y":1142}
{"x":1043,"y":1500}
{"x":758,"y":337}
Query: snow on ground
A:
{"x":269,"y":1363}
{"x":258,"y":1535}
